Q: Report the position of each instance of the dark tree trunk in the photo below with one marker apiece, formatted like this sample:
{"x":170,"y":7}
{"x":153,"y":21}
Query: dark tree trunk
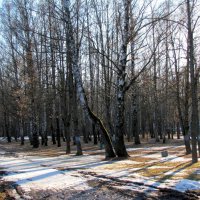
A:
{"x":135,"y":117}
{"x":7,"y":133}
{"x":178,"y":130}
{"x":94,"y":134}
{"x":35,"y":139}
{"x":58,"y":132}
{"x":53,"y":137}
{"x":85,"y":136}
{"x":67,"y":134}
{"x":194,"y":117}
{"x":184,"y":122}
{"x":21,"y":128}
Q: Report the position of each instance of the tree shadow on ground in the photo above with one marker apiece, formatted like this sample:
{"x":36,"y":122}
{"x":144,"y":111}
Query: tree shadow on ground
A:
{"x":173,"y":173}
{"x":107,"y":191}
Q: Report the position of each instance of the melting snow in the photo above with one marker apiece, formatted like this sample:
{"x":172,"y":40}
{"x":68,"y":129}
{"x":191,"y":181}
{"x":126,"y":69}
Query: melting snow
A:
{"x":37,"y":172}
{"x":186,"y":184}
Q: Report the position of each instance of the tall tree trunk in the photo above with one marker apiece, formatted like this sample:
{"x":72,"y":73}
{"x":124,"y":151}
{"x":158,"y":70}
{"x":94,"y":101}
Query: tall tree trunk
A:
{"x":184,"y":122}
{"x":120,"y":148}
{"x":21,"y":128}
{"x":156,"y":106}
{"x":194,"y":118}
{"x":91,"y":69}
{"x":178,"y":130}
{"x":75,"y":123}
{"x":53,"y":70}
{"x":135,"y":116}
{"x":135,"y":100}
{"x":58,"y":132}
{"x":53,"y":136}
{"x":32,"y":78}
{"x":80,"y":90}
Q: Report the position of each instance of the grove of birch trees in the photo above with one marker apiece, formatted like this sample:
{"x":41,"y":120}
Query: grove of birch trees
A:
{"x":100,"y":70}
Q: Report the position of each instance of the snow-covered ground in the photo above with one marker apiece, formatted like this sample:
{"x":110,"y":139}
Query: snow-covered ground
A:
{"x":186,"y":184}
{"x":65,"y":172}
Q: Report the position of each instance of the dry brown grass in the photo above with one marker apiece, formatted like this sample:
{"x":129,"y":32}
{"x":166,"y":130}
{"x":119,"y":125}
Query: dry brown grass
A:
{"x":117,"y":166}
{"x":179,"y":170}
{"x":141,"y":159}
{"x":149,"y":172}
{"x":170,"y":164}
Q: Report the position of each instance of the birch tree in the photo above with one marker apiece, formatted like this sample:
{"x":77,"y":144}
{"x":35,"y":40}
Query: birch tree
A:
{"x":80,"y":90}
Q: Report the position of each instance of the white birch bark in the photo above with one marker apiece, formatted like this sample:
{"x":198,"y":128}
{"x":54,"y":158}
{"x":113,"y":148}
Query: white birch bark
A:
{"x":79,"y":86}
{"x":121,"y":76}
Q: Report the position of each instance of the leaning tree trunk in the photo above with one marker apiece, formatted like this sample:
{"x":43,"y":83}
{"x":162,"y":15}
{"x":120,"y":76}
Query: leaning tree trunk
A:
{"x":91,"y":69}
{"x":80,"y":90}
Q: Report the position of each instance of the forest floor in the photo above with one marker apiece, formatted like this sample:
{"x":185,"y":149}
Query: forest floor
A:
{"x":48,"y":173}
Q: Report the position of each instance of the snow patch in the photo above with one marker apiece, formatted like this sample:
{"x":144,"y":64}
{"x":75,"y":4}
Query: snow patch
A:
{"x":187,"y":184}
{"x":158,"y":167}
